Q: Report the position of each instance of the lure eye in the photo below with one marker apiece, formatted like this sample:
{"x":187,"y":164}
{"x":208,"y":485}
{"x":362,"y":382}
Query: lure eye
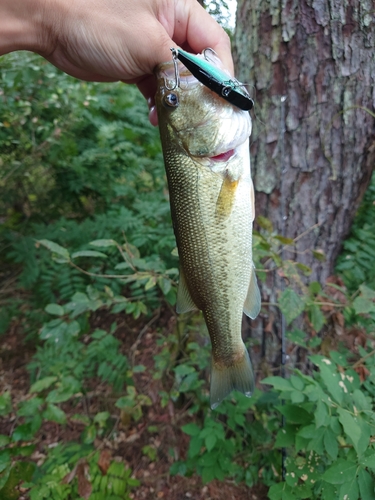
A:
{"x":171,"y":100}
{"x":226,"y":91}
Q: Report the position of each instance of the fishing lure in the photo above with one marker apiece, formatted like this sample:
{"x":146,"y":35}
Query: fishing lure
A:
{"x":212,"y":77}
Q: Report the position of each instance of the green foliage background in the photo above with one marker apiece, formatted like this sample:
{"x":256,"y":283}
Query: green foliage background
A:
{"x":85,"y":228}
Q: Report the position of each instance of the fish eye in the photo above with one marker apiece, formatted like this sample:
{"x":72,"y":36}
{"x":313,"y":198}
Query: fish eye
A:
{"x":171,"y":100}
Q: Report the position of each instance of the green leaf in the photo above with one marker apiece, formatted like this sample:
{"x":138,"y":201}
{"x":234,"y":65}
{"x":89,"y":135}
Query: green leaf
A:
{"x":88,"y":253}
{"x":210,"y":442}
{"x":291,"y":304}
{"x":30,"y":407}
{"x":295,"y":414}
{"x":319,"y":255}
{"x":285,"y":241}
{"x":367,"y":292}
{"x":54,"y":309}
{"x":55,"y":248}
{"x":351,"y":427}
{"x":279,"y":383}
{"x":20,"y":471}
{"x":316,"y":317}
{"x":191,"y":429}
{"x":321,"y":414}
{"x":316,"y":443}
{"x":309,"y":432}
{"x":103,"y":243}
{"x":306,"y":270}
{"x":361,"y":402}
{"x":150,"y":283}
{"x":349,"y":490}
{"x":42,"y":384}
{"x":165,"y":284}
{"x":366,"y":432}
{"x":89,"y":434}
{"x":363,"y":305}
{"x":54,"y":414}
{"x":276,"y":491}
{"x":264,"y":223}
{"x":366,"y":484}
{"x":282,"y":491}
{"x":4,"y":440}
{"x":101,"y":418}
{"x":297,"y":337}
{"x":208,"y":474}
{"x":297,"y":382}
{"x":368,"y":461}
{"x":195,"y":446}
{"x":315,"y":287}
{"x":297,"y":397}
{"x":341,"y":472}
{"x":285,"y":436}
{"x":333,"y":381}
{"x":331,"y":444}
{"x":329,"y":491}
{"x":24,"y":432}
{"x":73,"y":329}
{"x":5,"y":403}
{"x":5,"y":459}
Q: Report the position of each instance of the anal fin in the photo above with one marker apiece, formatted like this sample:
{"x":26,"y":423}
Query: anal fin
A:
{"x":253,"y":299}
{"x":184,"y":301}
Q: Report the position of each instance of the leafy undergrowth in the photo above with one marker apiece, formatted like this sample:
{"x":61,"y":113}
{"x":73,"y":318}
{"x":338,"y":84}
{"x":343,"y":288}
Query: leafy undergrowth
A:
{"x":79,"y":441}
{"x":118,"y":408}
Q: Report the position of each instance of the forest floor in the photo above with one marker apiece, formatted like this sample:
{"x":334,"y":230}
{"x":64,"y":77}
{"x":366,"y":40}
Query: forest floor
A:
{"x":158,"y":427}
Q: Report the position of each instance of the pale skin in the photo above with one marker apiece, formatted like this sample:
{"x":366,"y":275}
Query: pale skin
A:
{"x":111,"y":40}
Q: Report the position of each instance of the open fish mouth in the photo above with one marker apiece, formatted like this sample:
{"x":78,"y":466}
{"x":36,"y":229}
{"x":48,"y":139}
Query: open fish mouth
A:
{"x":227,"y":155}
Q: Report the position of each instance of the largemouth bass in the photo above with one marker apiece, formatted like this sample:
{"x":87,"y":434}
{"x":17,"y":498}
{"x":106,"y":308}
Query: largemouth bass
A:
{"x":205,"y":143}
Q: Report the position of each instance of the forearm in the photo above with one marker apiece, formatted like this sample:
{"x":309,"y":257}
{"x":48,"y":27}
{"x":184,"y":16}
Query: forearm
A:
{"x":21,"y":25}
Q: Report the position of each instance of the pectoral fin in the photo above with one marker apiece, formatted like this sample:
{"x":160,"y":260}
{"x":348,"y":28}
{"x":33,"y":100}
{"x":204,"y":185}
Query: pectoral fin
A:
{"x":226,"y":198}
{"x":253,"y":300}
{"x":184,"y":302}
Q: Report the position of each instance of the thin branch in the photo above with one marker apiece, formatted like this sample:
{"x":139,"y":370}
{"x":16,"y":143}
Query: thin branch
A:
{"x":360,"y":361}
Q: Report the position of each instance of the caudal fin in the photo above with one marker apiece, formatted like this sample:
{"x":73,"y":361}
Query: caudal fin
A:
{"x":224,"y":379}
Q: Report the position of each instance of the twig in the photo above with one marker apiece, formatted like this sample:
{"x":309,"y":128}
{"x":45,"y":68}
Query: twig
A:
{"x":141,"y":333}
{"x":360,"y":361}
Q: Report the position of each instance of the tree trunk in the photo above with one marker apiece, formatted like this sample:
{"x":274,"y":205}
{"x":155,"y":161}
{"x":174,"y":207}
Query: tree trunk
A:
{"x":311,"y":69}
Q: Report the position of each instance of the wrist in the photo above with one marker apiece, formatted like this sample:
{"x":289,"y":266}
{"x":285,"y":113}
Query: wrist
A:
{"x":22,"y":25}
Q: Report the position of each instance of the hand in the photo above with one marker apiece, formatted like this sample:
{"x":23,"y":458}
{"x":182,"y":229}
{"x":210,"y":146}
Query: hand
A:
{"x":115,"y":40}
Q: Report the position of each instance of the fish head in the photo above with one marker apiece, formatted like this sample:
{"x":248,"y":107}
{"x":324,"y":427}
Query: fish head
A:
{"x":195,"y":119}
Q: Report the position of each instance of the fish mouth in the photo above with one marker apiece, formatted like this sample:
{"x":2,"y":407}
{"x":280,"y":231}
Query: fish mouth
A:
{"x":227,"y":155}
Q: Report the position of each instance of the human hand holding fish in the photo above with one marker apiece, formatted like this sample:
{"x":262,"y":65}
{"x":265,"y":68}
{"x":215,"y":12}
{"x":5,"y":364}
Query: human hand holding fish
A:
{"x":112,"y":40}
{"x":205,"y":142}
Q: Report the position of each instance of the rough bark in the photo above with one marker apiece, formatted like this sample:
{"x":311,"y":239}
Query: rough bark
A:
{"x":320,"y":55}
{"x":311,"y":69}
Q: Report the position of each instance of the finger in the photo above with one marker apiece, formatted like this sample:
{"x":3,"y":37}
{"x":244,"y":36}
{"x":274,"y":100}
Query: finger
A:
{"x":147,"y":86}
{"x":202,"y":31}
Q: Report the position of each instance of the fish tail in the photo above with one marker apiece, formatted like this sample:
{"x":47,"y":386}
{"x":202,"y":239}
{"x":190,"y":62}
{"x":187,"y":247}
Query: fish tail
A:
{"x":224,"y":379}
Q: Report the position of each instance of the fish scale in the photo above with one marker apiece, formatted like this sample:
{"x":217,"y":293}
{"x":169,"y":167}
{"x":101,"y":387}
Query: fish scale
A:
{"x":212,"y":212}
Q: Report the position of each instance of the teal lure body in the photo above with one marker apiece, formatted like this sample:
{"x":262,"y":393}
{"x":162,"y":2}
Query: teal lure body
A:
{"x":215,"y":79}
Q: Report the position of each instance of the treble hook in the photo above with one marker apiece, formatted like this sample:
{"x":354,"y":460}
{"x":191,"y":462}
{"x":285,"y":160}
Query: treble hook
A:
{"x":176,"y":72}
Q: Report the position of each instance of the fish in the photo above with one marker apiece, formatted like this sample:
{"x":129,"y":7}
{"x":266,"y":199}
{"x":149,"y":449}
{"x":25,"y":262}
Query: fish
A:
{"x":205,"y":143}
